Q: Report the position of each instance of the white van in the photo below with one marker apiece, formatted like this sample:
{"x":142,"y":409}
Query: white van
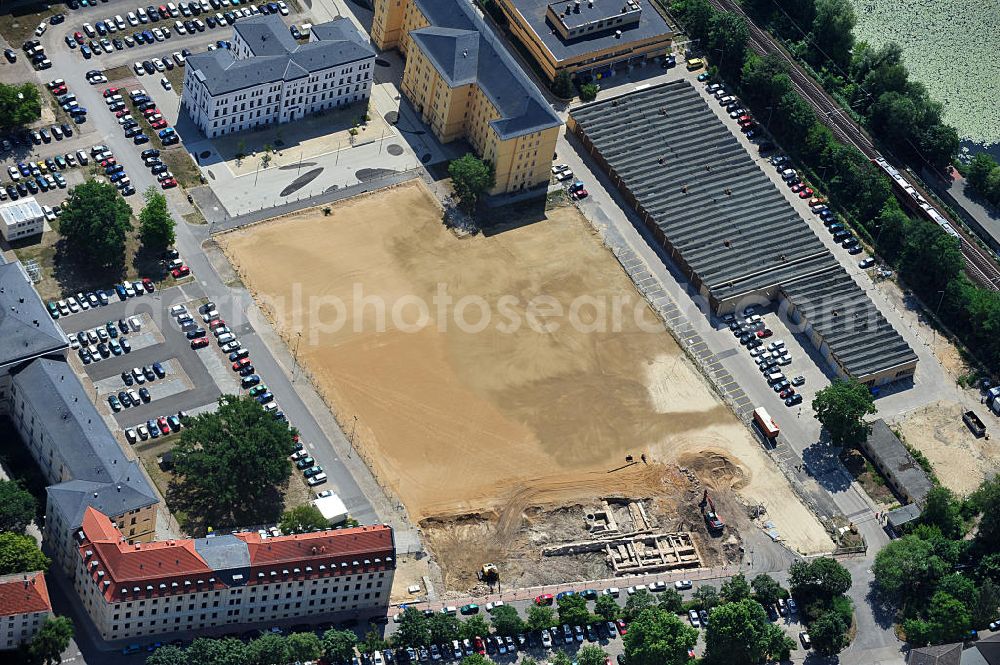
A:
{"x":225,"y":338}
{"x":775,"y":377}
{"x":135,"y":323}
{"x":776,"y":345}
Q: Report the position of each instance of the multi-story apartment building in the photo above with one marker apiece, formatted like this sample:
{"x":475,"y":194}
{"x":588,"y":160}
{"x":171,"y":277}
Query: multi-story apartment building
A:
{"x":20,"y":219}
{"x":24,"y":607}
{"x":146,"y":589}
{"x":589,"y":39}
{"x":466,"y":86}
{"x":268,"y":77}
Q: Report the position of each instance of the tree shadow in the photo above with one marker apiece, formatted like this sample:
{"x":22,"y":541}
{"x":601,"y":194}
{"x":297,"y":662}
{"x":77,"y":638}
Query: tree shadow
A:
{"x":883,"y":609}
{"x":822,"y":462}
{"x":74,"y":272}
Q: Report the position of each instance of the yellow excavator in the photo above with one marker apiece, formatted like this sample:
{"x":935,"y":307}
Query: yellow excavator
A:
{"x":490,"y":574}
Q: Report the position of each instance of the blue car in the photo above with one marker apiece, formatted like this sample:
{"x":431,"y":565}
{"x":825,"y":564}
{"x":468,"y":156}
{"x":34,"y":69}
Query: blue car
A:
{"x":23,"y":168}
{"x":79,"y":119}
{"x":264,"y":398}
{"x":140,"y":138}
{"x":120,"y":290}
{"x":85,"y":50}
{"x":148,"y":34}
{"x":165,"y":132}
{"x":115,"y":177}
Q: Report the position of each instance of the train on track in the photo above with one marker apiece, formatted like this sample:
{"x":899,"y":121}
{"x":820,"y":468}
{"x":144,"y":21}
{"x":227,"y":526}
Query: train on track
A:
{"x":917,"y":203}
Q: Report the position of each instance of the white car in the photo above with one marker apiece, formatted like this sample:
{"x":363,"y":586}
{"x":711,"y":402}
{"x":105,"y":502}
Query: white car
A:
{"x":178,"y":58}
{"x":50,"y":214}
{"x":324,"y":494}
{"x":693,"y":618}
{"x":637,"y":587}
{"x":138,"y":69}
{"x":15,"y":175}
{"x":493,"y":605}
{"x":283,"y":8}
{"x":165,"y":83}
{"x":546,"y":639}
{"x":612,"y":591}
{"x":681,"y":585}
{"x":177,"y":310}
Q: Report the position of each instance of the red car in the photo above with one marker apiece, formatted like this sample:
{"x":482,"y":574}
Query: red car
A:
{"x":110,"y":161}
{"x":111,"y":91}
{"x":78,"y":36}
{"x":580,"y":194}
{"x":621,"y":626}
{"x":215,"y":323}
{"x":805,"y":193}
{"x":240,"y":364}
{"x":180,"y":271}
{"x":60,"y":89}
{"x":765,"y":333}
{"x":544,"y":599}
{"x":149,"y":112}
{"x":164,"y":426}
{"x":199,"y":343}
{"x":158,"y":124}
{"x":477,"y":642}
{"x":743,"y":118}
{"x":168,"y":183}
{"x":123,"y":112}
{"x":786,"y":393}
{"x":797,"y":187}
{"x":147,"y":283}
{"x":816,"y":200}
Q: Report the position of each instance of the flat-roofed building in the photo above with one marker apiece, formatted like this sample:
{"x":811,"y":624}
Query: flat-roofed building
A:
{"x":168,"y":586}
{"x":21,"y":219}
{"x":589,"y":39}
{"x":24,"y":607}
{"x":730,"y":230}
{"x":465,"y":86}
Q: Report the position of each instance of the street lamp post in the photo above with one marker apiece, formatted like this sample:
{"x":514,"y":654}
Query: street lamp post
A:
{"x":295,"y":354}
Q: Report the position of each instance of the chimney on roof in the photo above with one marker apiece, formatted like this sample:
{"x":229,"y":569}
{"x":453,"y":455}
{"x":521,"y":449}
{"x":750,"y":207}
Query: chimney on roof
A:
{"x":618,"y":34}
{"x":119,"y":488}
{"x":576,"y":7}
{"x":95,"y":495}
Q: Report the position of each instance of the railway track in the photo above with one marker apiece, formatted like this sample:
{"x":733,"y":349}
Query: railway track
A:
{"x":981,"y":266}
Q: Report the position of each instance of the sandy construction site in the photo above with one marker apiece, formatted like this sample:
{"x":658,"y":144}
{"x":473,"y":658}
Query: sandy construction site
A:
{"x":516,"y":394}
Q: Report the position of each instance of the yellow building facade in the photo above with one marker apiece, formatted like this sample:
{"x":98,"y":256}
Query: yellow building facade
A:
{"x":465,"y":88}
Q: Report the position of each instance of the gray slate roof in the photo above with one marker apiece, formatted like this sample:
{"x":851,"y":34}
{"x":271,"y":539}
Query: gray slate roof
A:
{"x":522,"y":108}
{"x":890,"y":452}
{"x":26,"y":329}
{"x":225,"y":553}
{"x":651,"y":24}
{"x":280,"y":58}
{"x":727,"y":223}
{"x":92,"y":458}
{"x":944,"y":654}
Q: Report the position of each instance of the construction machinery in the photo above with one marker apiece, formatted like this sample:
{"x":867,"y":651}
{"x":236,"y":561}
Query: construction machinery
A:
{"x":712,"y":519}
{"x":489,"y":574}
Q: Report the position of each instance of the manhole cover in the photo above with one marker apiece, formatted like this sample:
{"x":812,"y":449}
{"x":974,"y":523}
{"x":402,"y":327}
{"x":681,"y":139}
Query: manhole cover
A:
{"x":204,"y":154}
{"x":392,"y":117}
{"x":425,"y":158}
{"x":394,"y":150}
{"x":382,"y":63}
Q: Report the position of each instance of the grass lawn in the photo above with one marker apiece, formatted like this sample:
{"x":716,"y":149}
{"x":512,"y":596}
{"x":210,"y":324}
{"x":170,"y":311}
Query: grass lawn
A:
{"x":195,"y":218}
{"x":176,"y":78}
{"x":181,"y":165}
{"x":116,"y":74}
{"x":18,"y":24}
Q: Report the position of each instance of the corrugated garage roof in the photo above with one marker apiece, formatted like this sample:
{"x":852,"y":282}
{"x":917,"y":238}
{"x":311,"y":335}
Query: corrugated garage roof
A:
{"x":726,"y":221}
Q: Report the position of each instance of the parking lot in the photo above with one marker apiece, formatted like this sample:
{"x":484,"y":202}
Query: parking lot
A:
{"x":190,"y":383}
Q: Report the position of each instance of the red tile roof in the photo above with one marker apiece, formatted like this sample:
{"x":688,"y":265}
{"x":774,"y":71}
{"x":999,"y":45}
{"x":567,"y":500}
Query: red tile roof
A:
{"x":177,"y":566}
{"x":23,"y":594}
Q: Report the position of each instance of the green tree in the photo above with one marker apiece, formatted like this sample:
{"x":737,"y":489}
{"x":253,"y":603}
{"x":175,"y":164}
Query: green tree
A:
{"x":931,"y":258}
{"x":792,"y":120}
{"x":949,"y":619}
{"x":226,"y":651}
{"x":20,"y":554}
{"x":983,"y":501}
{"x":562,"y":85}
{"x":476,"y":659}
{"x":506,"y":621}
{"x":987,"y":604}
{"x":727,"y":43}
{"x":540,"y":616}
{"x":304,"y":646}
{"x":413,"y":630}
{"x":657,"y":637}
{"x":980,"y":173}
{"x":828,"y":634}
{"x":560,"y":658}
{"x":95,"y":222}
{"x":958,"y":586}
{"x":51,"y":640}
{"x":588,"y":92}
{"x":765,"y":81}
{"x":707,"y":596}
{"x":573,"y":611}
{"x":918,"y":632}
{"x":695,"y":15}
{"x":17,"y":506}
{"x":477,"y":627}
{"x":338,"y":645}
{"x":443,"y":627}
{"x":938,"y":144}
{"x":231,"y":464}
{"x":833,"y":33}
{"x":168,"y":654}
{"x":605,"y":607}
{"x":268,"y":649}
{"x":890,"y":230}
{"x":671,"y":601}
{"x":841,"y":408}
{"x":821,"y":578}
{"x":766,"y":590}
{"x":471,"y":177}
{"x":636,"y":603}
{"x":591,"y":654}
{"x":19,"y":105}
{"x":907,"y":569}
{"x":302,"y":519}
{"x":156,"y":227}
{"x":735,"y":589}
{"x":741,"y":633}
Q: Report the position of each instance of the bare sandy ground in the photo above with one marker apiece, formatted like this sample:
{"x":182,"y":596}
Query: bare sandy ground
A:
{"x":458,"y":421}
